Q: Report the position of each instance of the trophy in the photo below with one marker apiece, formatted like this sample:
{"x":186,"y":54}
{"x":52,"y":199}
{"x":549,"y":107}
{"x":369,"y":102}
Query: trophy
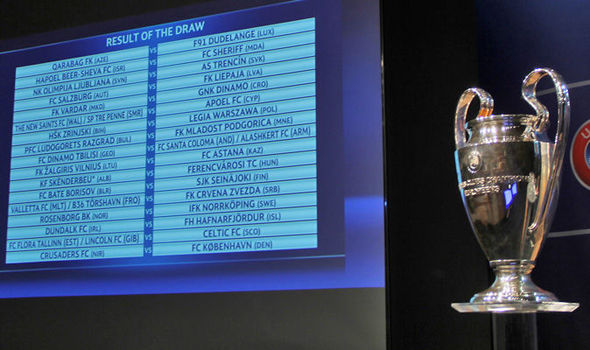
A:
{"x":508,"y":173}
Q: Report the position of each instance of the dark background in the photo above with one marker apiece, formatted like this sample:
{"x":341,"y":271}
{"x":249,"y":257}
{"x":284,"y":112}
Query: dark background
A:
{"x":430,"y":57}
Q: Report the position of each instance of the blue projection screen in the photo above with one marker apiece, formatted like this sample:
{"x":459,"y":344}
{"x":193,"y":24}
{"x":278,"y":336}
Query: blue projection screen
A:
{"x":233,"y":151}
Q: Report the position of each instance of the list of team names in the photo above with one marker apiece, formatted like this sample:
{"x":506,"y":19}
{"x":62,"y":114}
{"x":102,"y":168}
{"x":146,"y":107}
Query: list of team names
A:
{"x":193,"y":146}
{"x":78,"y":158}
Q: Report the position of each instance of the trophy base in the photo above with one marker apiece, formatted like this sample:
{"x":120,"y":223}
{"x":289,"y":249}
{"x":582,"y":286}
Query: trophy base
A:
{"x":513,"y":291}
{"x":552,"y":306}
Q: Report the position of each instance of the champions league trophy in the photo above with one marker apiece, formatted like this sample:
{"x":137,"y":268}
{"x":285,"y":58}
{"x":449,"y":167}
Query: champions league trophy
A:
{"x":508,"y":173}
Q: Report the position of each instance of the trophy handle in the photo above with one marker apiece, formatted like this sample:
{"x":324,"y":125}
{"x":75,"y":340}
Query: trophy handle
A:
{"x":529,"y":87}
{"x":486,"y":105}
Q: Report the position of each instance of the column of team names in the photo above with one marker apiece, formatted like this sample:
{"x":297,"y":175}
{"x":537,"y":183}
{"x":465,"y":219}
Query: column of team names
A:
{"x":236,"y":142}
{"x":79,"y":158}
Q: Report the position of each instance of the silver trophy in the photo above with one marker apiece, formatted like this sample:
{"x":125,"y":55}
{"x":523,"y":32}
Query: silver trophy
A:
{"x":508,"y":173}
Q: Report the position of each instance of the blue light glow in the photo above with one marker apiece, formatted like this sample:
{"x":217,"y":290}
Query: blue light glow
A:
{"x":510,"y":194}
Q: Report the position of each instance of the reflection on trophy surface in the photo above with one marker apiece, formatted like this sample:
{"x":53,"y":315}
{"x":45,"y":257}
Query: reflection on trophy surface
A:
{"x":508,"y":173}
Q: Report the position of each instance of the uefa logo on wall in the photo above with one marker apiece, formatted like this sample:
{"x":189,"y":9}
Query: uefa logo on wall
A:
{"x":580,"y":155}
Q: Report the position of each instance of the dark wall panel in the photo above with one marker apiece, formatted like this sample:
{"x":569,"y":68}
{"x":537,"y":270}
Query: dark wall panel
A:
{"x":431,"y":57}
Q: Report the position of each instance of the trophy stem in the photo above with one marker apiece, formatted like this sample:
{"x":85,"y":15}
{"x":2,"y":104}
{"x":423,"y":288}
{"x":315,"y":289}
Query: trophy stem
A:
{"x":515,"y":331}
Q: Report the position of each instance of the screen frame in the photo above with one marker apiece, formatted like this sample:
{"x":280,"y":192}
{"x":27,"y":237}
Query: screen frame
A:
{"x":107,"y":310}
{"x":71,"y":33}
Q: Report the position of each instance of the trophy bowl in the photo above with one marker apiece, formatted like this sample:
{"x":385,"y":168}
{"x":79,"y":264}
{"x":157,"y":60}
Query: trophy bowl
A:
{"x":508,"y":172}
